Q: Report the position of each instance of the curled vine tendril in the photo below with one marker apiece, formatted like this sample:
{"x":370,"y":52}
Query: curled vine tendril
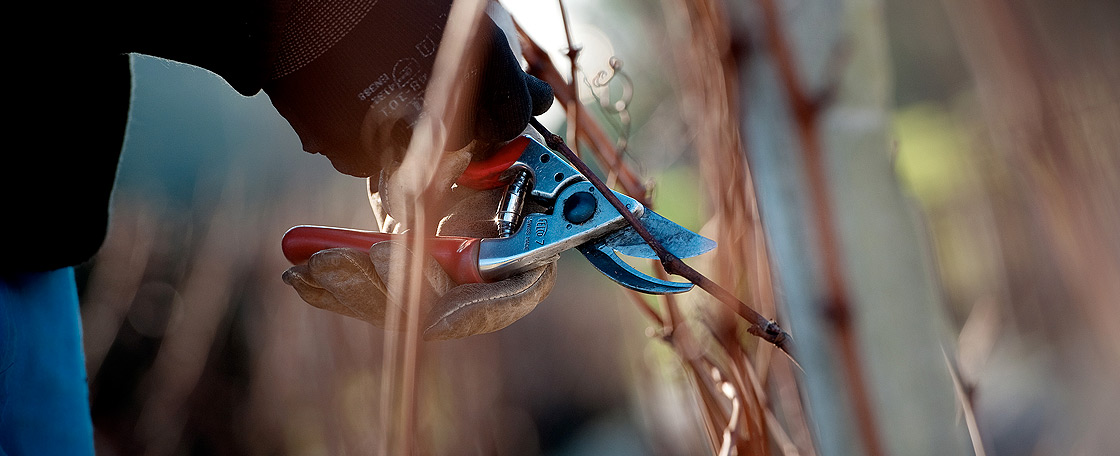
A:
{"x":617,"y":110}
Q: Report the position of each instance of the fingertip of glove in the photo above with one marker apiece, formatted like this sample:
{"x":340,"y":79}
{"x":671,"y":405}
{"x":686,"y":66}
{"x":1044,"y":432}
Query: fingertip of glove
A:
{"x":541,"y":94}
{"x":311,"y":292}
{"x":295,"y":275}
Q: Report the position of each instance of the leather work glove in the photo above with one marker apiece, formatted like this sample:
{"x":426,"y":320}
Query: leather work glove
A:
{"x":350,"y":76}
{"x":359,"y":284}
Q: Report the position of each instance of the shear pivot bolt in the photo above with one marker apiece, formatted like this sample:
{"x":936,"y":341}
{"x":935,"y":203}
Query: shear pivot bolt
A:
{"x":580,"y":207}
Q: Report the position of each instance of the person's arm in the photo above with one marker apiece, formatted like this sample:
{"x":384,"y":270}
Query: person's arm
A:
{"x":348,"y":75}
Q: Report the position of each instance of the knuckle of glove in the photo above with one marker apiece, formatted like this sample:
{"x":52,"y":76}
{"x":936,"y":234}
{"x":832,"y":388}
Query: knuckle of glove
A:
{"x":389,"y":260}
{"x":541,"y":93}
{"x":349,"y":276}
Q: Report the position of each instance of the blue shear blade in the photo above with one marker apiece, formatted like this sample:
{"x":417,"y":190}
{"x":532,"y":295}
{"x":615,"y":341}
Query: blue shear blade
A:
{"x":675,"y":238}
{"x":607,"y":262}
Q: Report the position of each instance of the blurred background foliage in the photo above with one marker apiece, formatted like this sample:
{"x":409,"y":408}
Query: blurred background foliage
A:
{"x":195,"y":346}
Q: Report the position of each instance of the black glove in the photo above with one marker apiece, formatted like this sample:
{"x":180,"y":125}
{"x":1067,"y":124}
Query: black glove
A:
{"x":337,"y":64}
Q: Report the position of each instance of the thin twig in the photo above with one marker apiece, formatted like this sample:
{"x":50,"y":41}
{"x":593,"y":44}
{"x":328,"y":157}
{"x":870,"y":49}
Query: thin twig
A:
{"x":441,"y":103}
{"x":760,"y":326}
{"x":708,"y":59}
{"x":674,"y":332}
{"x":672,"y":312}
{"x":966,"y":405}
{"x":647,"y":309}
{"x":574,"y":115}
{"x":713,"y":411}
{"x":573,"y":55}
{"x":600,"y":144}
{"x":601,"y":147}
{"x":807,"y":111}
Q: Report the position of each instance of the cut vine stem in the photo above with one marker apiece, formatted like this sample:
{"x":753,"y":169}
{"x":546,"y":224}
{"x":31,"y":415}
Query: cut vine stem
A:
{"x":761,"y":326}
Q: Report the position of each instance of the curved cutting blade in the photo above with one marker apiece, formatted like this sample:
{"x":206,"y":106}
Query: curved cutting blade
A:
{"x":677,"y":239}
{"x":604,"y":259}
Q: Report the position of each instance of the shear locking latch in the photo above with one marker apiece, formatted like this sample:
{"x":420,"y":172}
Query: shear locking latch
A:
{"x":509,"y":209}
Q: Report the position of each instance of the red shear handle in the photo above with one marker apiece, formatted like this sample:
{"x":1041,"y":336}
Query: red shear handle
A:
{"x":457,"y":255}
{"x":489,"y":173}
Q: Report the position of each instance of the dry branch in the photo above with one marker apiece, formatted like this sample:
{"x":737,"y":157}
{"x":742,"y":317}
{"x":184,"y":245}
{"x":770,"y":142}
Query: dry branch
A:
{"x":600,"y":144}
{"x":760,"y":326}
{"x":807,"y":111}
{"x":716,"y":393}
{"x":441,"y":104}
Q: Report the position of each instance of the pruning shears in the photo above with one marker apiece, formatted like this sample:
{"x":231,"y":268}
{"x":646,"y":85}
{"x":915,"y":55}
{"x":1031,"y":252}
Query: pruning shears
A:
{"x":574,"y":214}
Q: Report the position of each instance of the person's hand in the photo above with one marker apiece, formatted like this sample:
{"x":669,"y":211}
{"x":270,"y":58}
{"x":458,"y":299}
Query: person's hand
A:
{"x":365,"y":285}
{"x":350,"y":79}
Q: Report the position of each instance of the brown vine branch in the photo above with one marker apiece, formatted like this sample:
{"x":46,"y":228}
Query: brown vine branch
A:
{"x":573,"y":86}
{"x":602,"y":146}
{"x":761,"y":327}
{"x":711,"y":394}
{"x":442,"y":102}
{"x":668,"y":323}
{"x":807,"y":111}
